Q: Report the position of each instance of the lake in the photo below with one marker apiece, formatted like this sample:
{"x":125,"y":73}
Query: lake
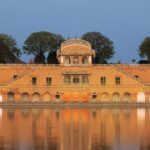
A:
{"x":74,"y":129}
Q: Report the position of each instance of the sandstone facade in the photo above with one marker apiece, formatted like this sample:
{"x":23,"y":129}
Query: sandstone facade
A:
{"x":75,"y":79}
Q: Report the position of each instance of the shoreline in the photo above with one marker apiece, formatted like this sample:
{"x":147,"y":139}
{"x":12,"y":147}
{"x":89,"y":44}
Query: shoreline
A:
{"x":76,"y":105}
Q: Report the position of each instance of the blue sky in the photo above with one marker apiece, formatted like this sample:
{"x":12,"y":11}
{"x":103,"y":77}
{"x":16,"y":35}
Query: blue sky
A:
{"x":125,"y":22}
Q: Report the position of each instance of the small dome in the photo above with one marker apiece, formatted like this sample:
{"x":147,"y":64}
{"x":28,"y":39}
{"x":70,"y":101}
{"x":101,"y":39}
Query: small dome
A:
{"x":78,"y":42}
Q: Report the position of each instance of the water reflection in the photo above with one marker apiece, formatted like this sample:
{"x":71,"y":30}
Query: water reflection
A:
{"x":141,"y":115}
{"x":74,"y":129}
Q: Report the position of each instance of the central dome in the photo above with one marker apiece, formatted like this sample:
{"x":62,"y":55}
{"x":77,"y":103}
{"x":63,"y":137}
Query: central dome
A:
{"x":78,"y":42}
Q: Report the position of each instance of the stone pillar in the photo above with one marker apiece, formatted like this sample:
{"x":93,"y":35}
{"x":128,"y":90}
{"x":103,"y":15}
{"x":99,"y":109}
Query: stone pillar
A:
{"x":90,"y":60}
{"x":71,"y":60}
{"x":80,"y":60}
{"x":62,"y":59}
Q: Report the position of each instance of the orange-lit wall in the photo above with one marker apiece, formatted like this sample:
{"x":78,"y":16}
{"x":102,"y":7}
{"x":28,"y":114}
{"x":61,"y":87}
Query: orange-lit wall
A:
{"x":79,"y":92}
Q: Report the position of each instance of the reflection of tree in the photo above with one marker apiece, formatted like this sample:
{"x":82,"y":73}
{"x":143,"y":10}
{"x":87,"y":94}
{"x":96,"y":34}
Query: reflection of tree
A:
{"x":37,"y":140}
{"x":145,"y":147}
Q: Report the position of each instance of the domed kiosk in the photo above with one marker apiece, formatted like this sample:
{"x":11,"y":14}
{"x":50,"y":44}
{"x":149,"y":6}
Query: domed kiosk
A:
{"x":75,"y":52}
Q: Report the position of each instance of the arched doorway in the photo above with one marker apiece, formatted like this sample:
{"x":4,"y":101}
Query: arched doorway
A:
{"x":105,"y":97}
{"x":36,"y":97}
{"x":141,"y":97}
{"x":67,"y":60}
{"x":24,"y":97}
{"x":11,"y":97}
{"x":115,"y":97}
{"x":126,"y":97}
{"x":84,"y":60}
{"x":75,"y":60}
{"x":46,"y":97}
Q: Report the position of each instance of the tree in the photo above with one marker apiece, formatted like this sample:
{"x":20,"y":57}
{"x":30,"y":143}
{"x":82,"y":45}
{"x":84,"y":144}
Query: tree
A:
{"x":38,"y":43}
{"x":6,"y":55}
{"x":11,"y":43}
{"x":144,"y":48}
{"x":102,"y":45}
{"x":58,"y":39}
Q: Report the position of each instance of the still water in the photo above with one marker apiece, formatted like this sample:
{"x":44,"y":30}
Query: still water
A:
{"x":74,"y":129}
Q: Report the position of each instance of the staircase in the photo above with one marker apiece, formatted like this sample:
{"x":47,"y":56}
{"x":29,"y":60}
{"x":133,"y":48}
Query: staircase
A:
{"x":19,"y":77}
{"x":129,"y":75}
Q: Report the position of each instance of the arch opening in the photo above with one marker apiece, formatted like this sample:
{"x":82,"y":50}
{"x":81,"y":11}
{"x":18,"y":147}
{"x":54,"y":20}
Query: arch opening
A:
{"x":115,"y":97}
{"x":67,"y":60}
{"x":105,"y":97}
{"x":36,"y":97}
{"x":75,"y":60}
{"x":24,"y":97}
{"x":141,"y":97}
{"x":11,"y":97}
{"x":127,"y":97}
{"x":85,"y":60}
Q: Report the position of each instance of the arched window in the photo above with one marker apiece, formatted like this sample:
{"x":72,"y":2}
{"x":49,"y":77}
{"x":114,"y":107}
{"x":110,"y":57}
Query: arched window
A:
{"x":75,"y":60}
{"x":67,"y":60}
{"x":85,"y":60}
{"x":11,"y":96}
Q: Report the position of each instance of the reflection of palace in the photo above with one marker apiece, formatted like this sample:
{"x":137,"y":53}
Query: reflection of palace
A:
{"x":74,"y":129}
{"x":74,"y":79}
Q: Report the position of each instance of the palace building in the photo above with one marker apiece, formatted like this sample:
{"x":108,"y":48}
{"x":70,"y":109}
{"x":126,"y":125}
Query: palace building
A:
{"x":74,"y":79}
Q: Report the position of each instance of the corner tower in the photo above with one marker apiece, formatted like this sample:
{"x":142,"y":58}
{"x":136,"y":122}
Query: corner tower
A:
{"x":75,"y":52}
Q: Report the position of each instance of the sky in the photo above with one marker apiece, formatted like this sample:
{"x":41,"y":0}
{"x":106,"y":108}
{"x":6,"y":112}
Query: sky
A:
{"x":125,"y":22}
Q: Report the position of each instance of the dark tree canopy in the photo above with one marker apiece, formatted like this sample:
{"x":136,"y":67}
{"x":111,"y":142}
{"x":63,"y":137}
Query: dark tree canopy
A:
{"x":38,"y":43}
{"x":11,"y":43}
{"x":58,"y":39}
{"x":52,"y":57}
{"x":39,"y":59}
{"x":102,"y":45}
{"x":144,"y":48}
{"x":6,"y":55}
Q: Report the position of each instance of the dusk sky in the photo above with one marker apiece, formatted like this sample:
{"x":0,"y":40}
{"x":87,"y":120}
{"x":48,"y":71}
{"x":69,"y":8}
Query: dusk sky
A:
{"x":125,"y":22}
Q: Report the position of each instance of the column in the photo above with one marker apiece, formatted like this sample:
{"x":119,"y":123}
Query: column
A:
{"x":90,"y":59}
{"x":62,"y":59}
